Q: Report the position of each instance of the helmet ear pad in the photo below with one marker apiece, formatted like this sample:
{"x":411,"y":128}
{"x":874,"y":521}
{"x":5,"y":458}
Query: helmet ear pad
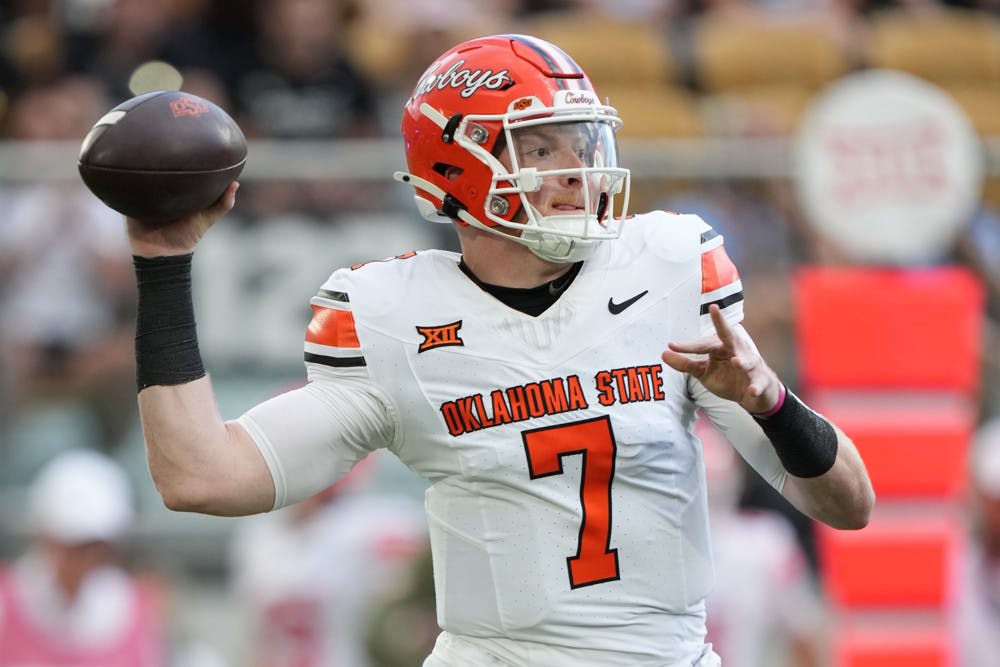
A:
{"x":472,"y":185}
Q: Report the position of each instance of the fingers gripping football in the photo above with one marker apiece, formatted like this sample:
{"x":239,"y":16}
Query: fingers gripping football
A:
{"x":181,"y":236}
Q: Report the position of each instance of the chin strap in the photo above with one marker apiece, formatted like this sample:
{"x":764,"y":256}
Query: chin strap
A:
{"x":426,"y":208}
{"x":417,"y":182}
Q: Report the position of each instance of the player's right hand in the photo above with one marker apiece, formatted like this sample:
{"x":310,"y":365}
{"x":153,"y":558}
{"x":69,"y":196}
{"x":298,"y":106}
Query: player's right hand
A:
{"x":180,"y":236}
{"x":728,"y":364}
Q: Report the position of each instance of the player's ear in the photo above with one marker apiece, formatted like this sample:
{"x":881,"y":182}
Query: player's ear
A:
{"x":449,"y":171}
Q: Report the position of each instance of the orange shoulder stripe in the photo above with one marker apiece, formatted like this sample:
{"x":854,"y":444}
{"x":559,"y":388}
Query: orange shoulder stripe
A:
{"x":332,"y":327}
{"x":717,"y":270}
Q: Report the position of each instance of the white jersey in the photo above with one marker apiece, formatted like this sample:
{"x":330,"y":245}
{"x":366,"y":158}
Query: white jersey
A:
{"x":567,"y":498}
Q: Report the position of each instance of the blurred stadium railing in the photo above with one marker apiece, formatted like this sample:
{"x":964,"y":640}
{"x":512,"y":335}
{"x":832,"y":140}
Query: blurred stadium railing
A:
{"x":649,"y":159}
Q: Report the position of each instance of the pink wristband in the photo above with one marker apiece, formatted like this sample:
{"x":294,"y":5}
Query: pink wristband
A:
{"x":777,"y":406}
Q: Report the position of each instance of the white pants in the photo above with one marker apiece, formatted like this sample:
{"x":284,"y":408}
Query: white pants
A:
{"x":459,"y":651}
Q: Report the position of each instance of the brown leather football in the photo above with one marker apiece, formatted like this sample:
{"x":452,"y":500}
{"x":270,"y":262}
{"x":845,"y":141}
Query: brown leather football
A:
{"x":162,"y":156}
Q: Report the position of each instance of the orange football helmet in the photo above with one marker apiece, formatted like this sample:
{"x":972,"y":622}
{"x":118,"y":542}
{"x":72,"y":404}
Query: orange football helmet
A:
{"x":465,"y":129}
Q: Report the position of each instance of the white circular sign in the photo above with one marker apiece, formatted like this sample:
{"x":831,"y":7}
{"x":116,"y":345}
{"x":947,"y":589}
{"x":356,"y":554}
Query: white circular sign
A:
{"x":888,"y":166}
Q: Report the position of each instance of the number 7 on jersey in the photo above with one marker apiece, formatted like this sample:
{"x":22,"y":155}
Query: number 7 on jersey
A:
{"x":595,"y":561}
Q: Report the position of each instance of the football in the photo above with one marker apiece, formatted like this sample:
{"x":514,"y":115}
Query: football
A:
{"x":162,"y":156}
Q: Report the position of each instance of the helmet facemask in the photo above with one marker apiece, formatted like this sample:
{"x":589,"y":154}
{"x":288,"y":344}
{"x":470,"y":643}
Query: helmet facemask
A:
{"x":569,"y":156}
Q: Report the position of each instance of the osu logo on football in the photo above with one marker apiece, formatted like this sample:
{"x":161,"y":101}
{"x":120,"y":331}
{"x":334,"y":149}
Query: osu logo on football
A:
{"x":187,"y":106}
{"x":440,"y":336}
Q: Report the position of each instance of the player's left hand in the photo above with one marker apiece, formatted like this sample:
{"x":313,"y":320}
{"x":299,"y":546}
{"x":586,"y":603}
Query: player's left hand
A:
{"x":728,"y":364}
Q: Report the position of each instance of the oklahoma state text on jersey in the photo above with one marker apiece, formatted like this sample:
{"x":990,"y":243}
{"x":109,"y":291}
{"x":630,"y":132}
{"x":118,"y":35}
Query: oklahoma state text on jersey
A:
{"x":550,"y":397}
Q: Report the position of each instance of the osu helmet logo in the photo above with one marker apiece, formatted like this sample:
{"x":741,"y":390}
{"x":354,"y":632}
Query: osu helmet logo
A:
{"x":444,"y":335}
{"x":188,"y":106}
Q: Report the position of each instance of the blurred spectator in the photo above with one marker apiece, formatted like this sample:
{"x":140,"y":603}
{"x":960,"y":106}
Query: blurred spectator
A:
{"x":977,"y":609}
{"x":69,"y":600}
{"x":300,"y":83}
{"x":130,"y":33}
{"x":66,"y":322}
{"x":307,"y":576}
{"x":403,"y":627}
{"x":765,"y":609}
{"x":31,"y":53}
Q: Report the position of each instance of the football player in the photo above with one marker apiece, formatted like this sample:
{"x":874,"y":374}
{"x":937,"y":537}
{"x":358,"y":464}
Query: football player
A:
{"x":525,"y":378}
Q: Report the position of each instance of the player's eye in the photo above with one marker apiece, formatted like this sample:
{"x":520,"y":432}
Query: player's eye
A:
{"x":537,"y":152}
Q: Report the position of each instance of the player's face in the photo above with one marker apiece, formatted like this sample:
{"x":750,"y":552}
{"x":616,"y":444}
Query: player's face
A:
{"x":560,"y":152}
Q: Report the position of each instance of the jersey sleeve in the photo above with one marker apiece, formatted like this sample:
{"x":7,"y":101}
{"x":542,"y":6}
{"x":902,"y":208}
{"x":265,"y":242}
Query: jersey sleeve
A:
{"x":332,"y":338}
{"x":720,"y":281}
{"x":311,"y":436}
{"x":742,"y":432}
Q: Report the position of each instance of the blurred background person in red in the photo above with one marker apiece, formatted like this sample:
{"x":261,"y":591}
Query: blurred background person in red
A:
{"x":306,"y":578}
{"x":69,"y":600}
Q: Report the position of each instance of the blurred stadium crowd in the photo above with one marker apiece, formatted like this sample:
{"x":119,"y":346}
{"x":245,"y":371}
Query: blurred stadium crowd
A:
{"x":321,"y":72}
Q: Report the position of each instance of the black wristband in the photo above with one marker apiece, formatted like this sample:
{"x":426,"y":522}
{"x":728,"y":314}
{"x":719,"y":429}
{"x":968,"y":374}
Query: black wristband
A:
{"x":805,"y":442}
{"x":166,"y":344}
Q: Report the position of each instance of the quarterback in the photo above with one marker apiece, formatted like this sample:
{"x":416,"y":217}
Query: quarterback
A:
{"x":545,"y":380}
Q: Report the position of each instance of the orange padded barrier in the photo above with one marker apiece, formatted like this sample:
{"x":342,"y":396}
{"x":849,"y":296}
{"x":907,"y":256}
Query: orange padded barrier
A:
{"x":889,"y":328}
{"x":914,"y":445}
{"x":894,"y":647}
{"x":896,"y":561}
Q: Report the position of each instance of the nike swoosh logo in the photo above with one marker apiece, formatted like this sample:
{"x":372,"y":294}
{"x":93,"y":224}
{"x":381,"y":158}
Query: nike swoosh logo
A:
{"x":615,"y":308}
